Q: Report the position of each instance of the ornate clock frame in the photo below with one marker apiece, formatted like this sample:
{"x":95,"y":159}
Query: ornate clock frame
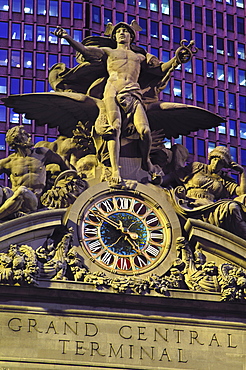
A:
{"x":125,"y":231}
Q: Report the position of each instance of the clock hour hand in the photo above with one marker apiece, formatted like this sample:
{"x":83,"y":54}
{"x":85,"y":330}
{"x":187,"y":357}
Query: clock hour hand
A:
{"x":118,"y":226}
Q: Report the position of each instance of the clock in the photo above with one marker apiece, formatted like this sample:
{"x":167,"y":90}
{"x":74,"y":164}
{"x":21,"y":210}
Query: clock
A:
{"x":125,"y":232}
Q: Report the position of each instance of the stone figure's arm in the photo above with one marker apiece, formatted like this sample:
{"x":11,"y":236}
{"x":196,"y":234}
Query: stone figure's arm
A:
{"x":241,"y":189}
{"x":87,"y":52}
{"x":3,"y":165}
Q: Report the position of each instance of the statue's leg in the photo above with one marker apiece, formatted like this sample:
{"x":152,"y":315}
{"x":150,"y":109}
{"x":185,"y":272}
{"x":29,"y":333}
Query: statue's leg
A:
{"x":142,"y":126}
{"x":13,"y":203}
{"x":114,"y":121}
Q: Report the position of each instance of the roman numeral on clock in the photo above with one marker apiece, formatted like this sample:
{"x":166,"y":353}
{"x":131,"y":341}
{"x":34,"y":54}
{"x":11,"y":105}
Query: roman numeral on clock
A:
{"x":107,"y":258}
{"x":95,"y":246}
{"x":107,"y":206}
{"x":152,"y":251}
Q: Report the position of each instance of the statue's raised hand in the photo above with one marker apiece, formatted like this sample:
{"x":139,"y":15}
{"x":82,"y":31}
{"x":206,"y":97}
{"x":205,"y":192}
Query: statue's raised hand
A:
{"x":60,"y":32}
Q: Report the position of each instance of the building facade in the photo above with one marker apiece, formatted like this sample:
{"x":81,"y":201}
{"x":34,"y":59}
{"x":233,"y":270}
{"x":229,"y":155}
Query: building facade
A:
{"x":214,"y":79}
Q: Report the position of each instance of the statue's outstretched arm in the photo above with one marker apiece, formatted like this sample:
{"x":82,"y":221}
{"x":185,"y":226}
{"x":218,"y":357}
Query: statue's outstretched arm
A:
{"x":84,"y":50}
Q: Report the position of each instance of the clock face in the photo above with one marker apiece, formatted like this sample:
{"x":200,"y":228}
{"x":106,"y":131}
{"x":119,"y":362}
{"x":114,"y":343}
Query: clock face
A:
{"x":124,"y":233}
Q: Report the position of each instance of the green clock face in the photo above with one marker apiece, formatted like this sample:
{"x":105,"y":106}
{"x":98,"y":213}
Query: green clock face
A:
{"x":124,"y":233}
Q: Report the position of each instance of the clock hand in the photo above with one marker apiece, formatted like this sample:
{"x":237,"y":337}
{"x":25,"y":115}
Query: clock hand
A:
{"x":133,"y":244}
{"x":118,"y":226}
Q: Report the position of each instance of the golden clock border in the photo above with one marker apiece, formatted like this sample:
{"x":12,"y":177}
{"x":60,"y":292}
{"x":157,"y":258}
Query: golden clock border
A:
{"x":156,"y":195}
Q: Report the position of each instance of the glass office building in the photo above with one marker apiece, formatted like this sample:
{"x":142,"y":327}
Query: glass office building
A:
{"x":214,"y":79}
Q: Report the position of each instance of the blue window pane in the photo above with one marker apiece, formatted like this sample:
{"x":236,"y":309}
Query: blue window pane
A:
{"x":210,"y":43}
{"x":53,"y":59}
{"x":199,"y":94}
{"x":190,"y":144}
{"x":232,"y":101}
{"x":154,"y":5}
{"x":166,"y":32}
{"x":222,"y":128}
{"x":40,"y":33}
{"x":242,"y":103}
{"x":4,"y":5}
{"x":154,"y":31}
{"x":233,"y":152}
{"x":210,"y":96}
{"x":28,"y":32}
{"x":176,"y":9}
{"x":187,"y":35}
{"x":120,"y":18}
{"x":177,"y":90}
{"x":131,"y":2}
{"x":220,"y":45}
{"x":130,"y":18}
{"x":4,"y":29}
{"x":155,"y":52}
{"x":3,"y":113}
{"x":96,"y":14}
{"x":66,"y":9}
{"x":188,"y":67}
{"x":16,"y":31}
{"x":14,"y":117}
{"x":220,"y":72}
{"x":40,"y":86}
{"x":27,"y":59}
{"x":14,"y":86}
{"x":242,"y":130}
{"x":3,"y":57}
{"x":188,"y":91}
{"x":231,"y":74}
{"x":77,"y":11}
{"x":178,"y":140}
{"x":77,"y":35}
{"x":187,"y":12}
{"x":230,"y":48}
{"x":165,"y":8}
{"x":142,"y":4}
{"x":210,"y":69}
{"x":40,"y":61}
{"x":143,"y":25}
{"x":27,"y":86}
{"x":28,"y":7}
{"x":243,"y":157}
{"x":233,"y":127}
{"x":165,"y":56}
{"x":66,"y":60}
{"x":211,"y":146}
{"x":51,"y":139}
{"x":53,"y":39}
{"x":199,"y":40}
{"x":107,"y":16}
{"x":176,"y":34}
{"x":221,"y":98}
{"x":198,"y":14}
{"x":241,"y":51}
{"x":3,"y":85}
{"x":53,"y":12}
{"x":41,"y":7}
{"x":242,"y":77}
{"x":15,"y":58}
{"x":201,"y":147}
{"x":38,"y":138}
{"x":16,"y":6}
{"x":25,"y":120}
{"x":2,"y":142}
{"x":199,"y":67}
